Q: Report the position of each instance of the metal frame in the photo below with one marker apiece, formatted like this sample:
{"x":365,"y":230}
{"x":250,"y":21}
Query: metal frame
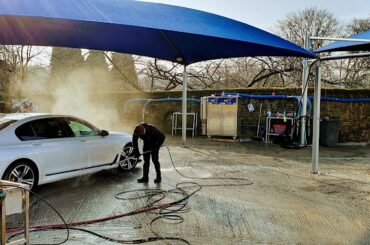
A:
{"x":345,"y":56}
{"x":184,"y":105}
{"x":356,"y":40}
{"x":306,"y":72}
{"x":4,"y":186}
{"x":268,"y":126}
{"x":317,"y":95}
{"x":175,"y":122}
{"x":316,"y":122}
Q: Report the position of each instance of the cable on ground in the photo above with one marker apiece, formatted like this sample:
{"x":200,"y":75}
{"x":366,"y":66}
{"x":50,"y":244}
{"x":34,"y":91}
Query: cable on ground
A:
{"x":170,"y":211}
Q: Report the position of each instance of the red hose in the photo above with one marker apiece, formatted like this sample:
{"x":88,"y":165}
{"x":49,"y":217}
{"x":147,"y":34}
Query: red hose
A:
{"x":94,"y":221}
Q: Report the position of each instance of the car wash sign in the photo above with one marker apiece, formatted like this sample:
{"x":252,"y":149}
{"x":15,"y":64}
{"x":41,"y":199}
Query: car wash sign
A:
{"x":222,"y":100}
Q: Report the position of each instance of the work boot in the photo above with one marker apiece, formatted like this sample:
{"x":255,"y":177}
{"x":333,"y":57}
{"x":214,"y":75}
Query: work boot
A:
{"x":158,"y":180}
{"x":143,"y":180}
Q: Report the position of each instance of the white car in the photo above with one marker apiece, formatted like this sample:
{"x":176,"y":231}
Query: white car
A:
{"x":36,"y":149}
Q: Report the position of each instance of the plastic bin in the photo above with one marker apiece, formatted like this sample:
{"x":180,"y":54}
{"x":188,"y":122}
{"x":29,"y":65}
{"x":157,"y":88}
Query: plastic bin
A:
{"x":329,"y":132}
{"x":279,"y":128}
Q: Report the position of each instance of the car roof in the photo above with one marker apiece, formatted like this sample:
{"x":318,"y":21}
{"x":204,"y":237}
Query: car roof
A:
{"x":21,"y":116}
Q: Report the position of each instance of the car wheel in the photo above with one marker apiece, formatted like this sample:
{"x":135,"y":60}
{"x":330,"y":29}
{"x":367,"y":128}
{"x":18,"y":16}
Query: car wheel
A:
{"x":127,"y":161}
{"x":22,"y":172}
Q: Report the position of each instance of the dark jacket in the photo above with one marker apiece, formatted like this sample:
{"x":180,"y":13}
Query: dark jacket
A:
{"x":153,"y":138}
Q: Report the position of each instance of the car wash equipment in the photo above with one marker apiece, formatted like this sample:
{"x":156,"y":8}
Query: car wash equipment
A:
{"x":257,"y":137}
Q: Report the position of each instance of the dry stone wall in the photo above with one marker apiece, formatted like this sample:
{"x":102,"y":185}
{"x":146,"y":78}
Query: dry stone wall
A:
{"x":354,"y":117}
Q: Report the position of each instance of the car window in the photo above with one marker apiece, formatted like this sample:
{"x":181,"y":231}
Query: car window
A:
{"x":5,"y":123}
{"x":67,"y":128}
{"x":25,"y":132}
{"x":48,"y":128}
{"x":81,"y":128}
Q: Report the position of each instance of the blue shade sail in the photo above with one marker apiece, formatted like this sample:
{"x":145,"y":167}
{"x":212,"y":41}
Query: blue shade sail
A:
{"x":348,"y":46}
{"x":156,"y":30}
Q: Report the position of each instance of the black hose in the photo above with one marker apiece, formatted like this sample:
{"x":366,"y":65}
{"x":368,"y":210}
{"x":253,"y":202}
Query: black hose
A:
{"x":171,"y":211}
{"x":48,"y":204}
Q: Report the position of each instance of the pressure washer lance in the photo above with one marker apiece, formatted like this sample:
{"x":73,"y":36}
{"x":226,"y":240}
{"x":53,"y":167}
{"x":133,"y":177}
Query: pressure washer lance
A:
{"x":127,"y":158}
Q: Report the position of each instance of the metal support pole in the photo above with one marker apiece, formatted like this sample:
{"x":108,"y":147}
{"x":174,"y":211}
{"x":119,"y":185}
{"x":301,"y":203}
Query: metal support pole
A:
{"x":316,"y":122}
{"x":345,"y":56}
{"x":302,"y":140}
{"x":306,"y":69}
{"x":184,"y":105}
{"x":357,"y":40}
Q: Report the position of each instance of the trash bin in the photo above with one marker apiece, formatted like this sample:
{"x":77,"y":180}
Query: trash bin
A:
{"x":329,"y":132}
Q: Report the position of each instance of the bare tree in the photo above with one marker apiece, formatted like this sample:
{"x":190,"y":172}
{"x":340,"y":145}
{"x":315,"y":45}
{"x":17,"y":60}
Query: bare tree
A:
{"x":349,"y":73}
{"x":163,"y":75}
{"x":294,"y":27}
{"x":19,"y":58}
{"x":218,"y":74}
{"x":313,"y":21}
{"x":247,"y":72}
{"x":356,"y":71}
{"x":358,"y":25}
{"x":5,"y":71}
{"x":267,"y":71}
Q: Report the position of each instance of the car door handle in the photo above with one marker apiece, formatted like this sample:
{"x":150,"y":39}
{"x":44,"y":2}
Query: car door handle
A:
{"x":83,"y":140}
{"x":37,"y":144}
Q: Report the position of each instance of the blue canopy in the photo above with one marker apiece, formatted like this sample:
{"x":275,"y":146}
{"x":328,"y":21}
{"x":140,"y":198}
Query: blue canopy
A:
{"x":150,"y":29}
{"x":348,"y":46}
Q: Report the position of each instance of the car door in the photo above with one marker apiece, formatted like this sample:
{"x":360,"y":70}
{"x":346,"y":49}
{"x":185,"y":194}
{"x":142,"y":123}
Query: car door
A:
{"x":56,"y":154}
{"x":94,"y":149}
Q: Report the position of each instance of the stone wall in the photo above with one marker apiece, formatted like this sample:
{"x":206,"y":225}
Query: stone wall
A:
{"x":354,"y":117}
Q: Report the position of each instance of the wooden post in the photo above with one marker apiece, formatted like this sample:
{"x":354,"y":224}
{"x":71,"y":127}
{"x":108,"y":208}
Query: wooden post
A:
{"x":2,"y":216}
{"x":26,"y":210}
{"x":5,"y":186}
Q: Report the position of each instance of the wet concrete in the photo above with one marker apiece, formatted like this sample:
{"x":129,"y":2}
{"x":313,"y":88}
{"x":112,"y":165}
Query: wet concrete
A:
{"x":286,"y":204}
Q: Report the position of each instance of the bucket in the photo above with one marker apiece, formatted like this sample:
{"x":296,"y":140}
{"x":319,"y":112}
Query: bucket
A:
{"x":279,"y":128}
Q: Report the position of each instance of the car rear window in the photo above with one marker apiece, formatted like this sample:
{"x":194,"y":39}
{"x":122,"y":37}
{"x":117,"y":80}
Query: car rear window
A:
{"x":48,"y":128}
{"x":25,"y":132}
{"x":5,"y":123}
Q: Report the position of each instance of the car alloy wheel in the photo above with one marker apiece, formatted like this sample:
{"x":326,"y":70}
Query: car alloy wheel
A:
{"x":127,"y":160}
{"x":22,"y":173}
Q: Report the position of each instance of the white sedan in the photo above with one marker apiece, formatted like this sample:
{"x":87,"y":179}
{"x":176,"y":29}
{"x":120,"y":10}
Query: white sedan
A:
{"x":36,"y":149}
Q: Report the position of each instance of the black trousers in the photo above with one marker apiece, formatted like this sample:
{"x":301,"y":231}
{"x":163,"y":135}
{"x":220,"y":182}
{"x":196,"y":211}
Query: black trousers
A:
{"x":155,"y":159}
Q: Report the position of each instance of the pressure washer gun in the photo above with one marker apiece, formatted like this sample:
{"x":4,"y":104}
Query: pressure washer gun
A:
{"x":137,"y":156}
{"x":146,"y":152}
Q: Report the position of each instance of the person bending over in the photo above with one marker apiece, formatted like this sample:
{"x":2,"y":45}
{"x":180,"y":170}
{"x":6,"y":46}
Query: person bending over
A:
{"x":153,"y":139}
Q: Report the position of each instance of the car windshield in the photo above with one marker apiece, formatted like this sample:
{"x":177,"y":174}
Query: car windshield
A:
{"x":5,"y":123}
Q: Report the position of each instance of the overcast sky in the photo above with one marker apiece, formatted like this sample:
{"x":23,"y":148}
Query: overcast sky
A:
{"x":265,"y":13}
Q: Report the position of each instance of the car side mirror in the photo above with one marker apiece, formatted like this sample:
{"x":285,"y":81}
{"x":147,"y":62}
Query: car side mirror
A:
{"x":104,"y":133}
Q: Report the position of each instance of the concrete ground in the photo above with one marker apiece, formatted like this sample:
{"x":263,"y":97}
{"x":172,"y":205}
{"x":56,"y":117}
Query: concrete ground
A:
{"x":286,"y":204}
